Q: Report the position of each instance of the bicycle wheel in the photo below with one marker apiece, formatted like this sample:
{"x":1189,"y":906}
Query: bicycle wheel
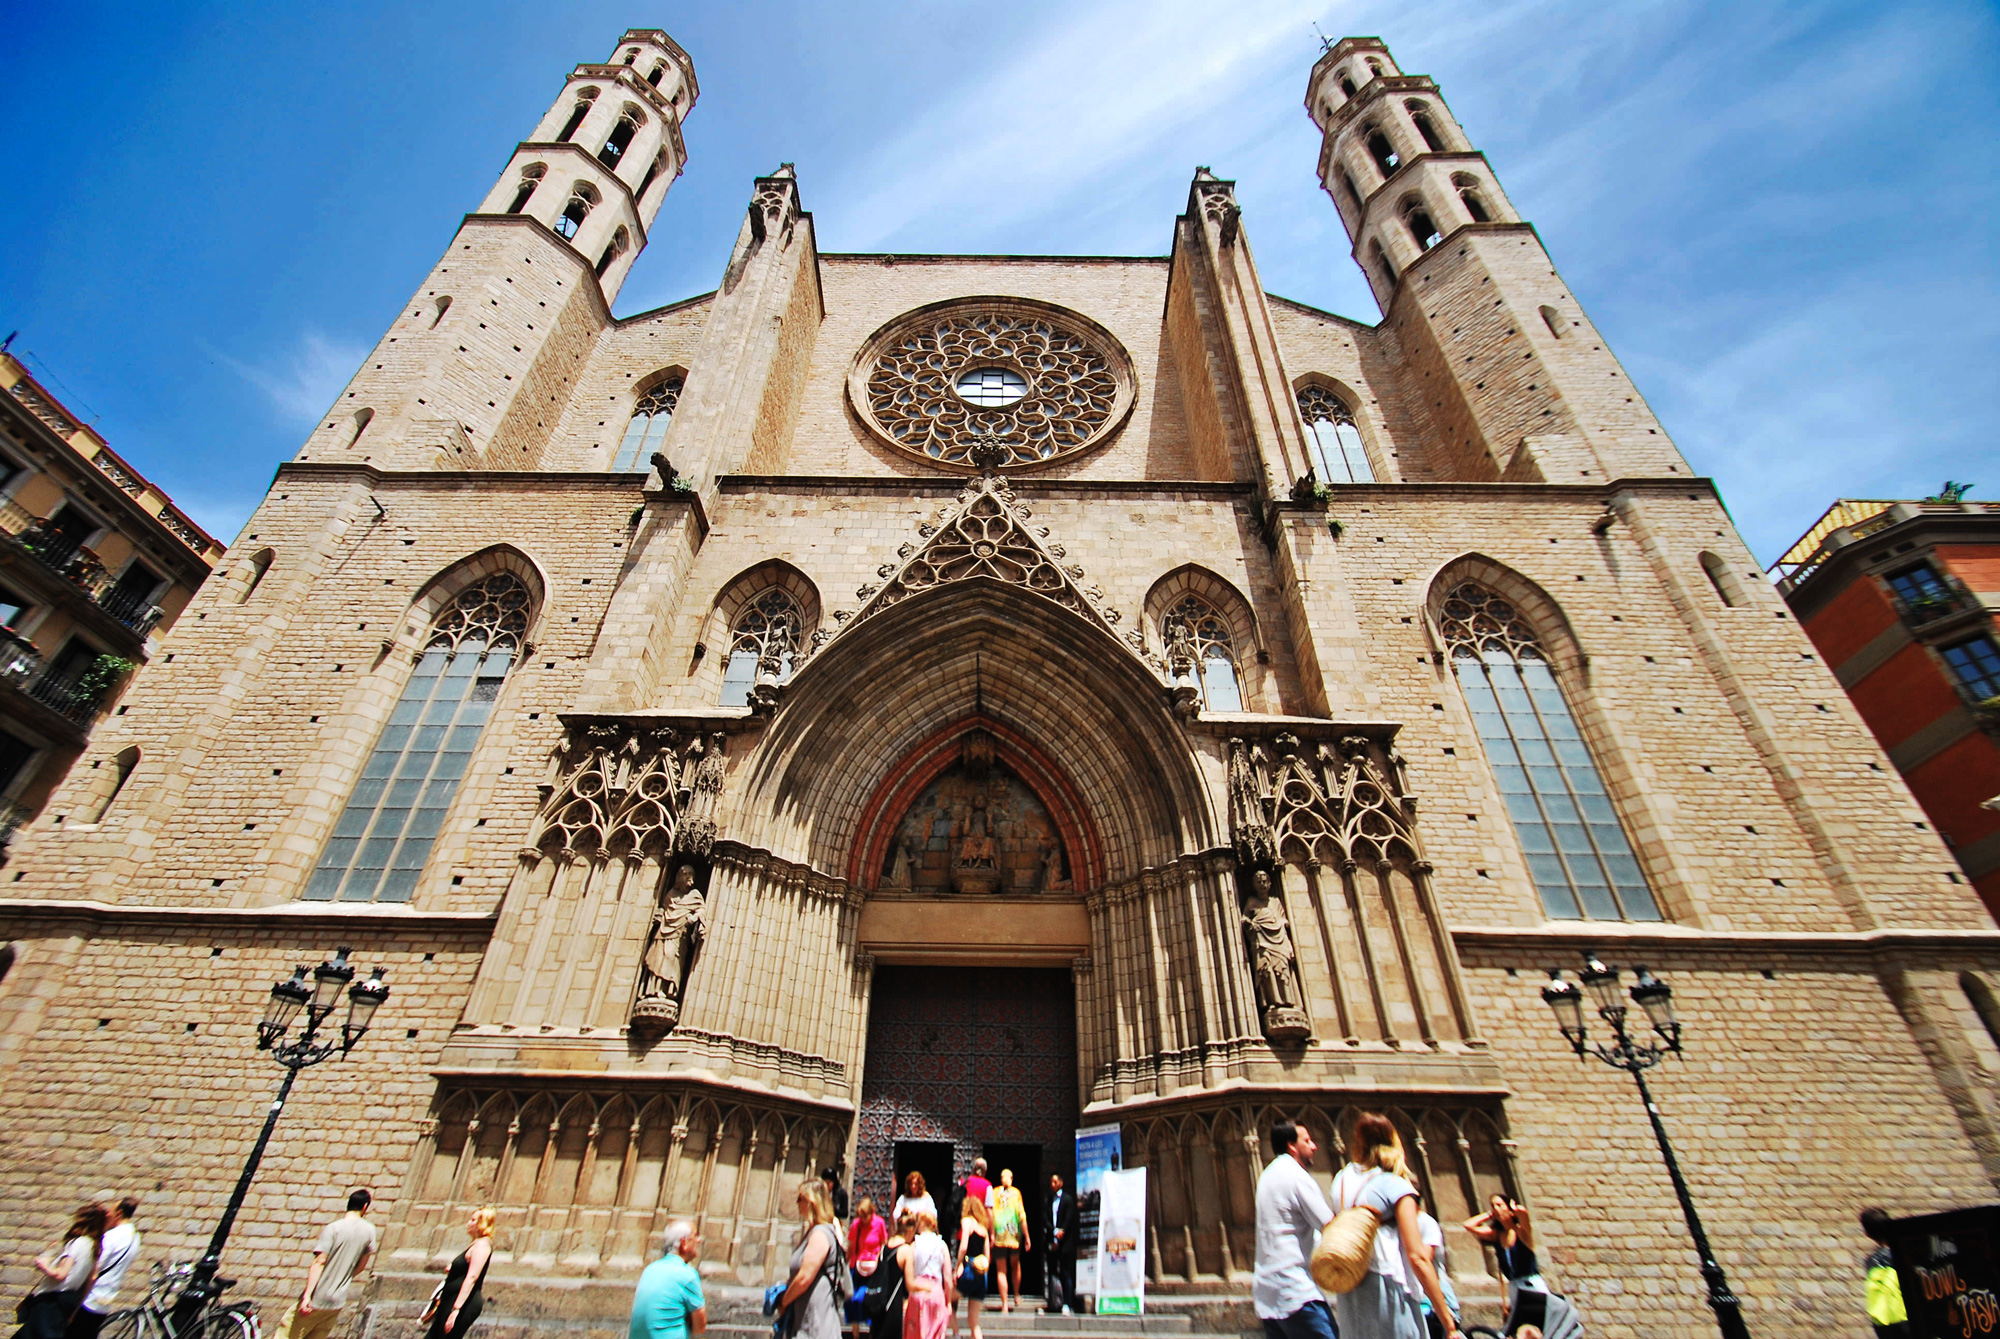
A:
{"x":232,"y":1323}
{"x":137,"y":1323}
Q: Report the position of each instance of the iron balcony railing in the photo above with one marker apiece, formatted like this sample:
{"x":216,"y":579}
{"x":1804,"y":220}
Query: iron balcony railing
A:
{"x":22,"y":666}
{"x":1947,"y":597}
{"x":69,"y":559}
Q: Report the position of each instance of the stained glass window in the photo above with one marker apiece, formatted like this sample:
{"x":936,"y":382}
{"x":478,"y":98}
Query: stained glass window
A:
{"x":1338,"y":455}
{"x":1577,"y":852}
{"x":384,"y":835}
{"x":1195,"y":630}
{"x":648,"y":428}
{"x":767,"y":630}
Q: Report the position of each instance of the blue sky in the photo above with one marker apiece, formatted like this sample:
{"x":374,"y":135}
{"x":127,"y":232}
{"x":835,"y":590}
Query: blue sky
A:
{"x":1782,"y":217}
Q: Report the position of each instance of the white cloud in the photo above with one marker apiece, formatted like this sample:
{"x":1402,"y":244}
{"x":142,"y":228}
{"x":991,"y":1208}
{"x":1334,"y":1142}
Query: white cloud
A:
{"x":303,"y":381}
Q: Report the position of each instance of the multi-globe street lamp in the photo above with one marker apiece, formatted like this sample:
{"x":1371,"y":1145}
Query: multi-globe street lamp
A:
{"x":1635,"y":1057}
{"x":289,"y":997}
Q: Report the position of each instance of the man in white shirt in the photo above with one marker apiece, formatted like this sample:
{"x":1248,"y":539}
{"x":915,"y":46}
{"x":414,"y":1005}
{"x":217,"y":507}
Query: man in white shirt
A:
{"x":1291,"y":1212}
{"x":114,"y":1257}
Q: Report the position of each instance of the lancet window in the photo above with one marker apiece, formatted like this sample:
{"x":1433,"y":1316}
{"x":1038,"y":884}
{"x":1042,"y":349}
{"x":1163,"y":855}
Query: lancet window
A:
{"x":1578,"y":855}
{"x":1338,"y":455}
{"x":765,"y":639}
{"x":1198,"y":635}
{"x":384,"y":835}
{"x":582,"y":199}
{"x":648,"y":428}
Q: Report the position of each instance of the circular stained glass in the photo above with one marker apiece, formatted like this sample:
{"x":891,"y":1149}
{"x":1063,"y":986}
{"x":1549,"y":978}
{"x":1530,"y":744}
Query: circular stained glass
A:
{"x":991,"y":386}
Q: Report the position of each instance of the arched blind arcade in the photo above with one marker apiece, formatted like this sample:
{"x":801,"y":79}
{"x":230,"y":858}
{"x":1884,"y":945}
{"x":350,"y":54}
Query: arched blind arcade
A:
{"x":1578,"y":855}
{"x":384,"y":836}
{"x":1338,"y":455}
{"x":767,"y":633}
{"x":648,"y":428}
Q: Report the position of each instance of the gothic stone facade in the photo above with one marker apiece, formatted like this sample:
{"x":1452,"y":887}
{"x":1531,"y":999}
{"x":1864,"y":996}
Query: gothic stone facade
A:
{"x":1303,"y":688}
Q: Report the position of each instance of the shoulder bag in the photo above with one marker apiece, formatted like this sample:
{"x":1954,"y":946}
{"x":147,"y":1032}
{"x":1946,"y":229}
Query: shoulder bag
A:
{"x":1346,"y":1247}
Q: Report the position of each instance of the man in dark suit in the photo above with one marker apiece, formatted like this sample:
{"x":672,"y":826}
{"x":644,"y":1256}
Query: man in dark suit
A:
{"x":1059,"y":1245}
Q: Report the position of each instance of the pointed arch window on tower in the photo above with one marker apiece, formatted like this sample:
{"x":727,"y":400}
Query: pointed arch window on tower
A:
{"x":631,"y":54}
{"x":655,"y":76}
{"x":531,"y":177}
{"x":582,"y":199}
{"x":1383,"y":152}
{"x":1421,"y":227}
{"x":613,"y":250}
{"x":1353,"y":191}
{"x":1421,"y":116}
{"x":1469,"y":196}
{"x":629,"y":121}
{"x":1338,"y":454}
{"x":648,"y":428}
{"x":1198,"y":644}
{"x":1577,"y":852}
{"x":1347,"y":85}
{"x":577,"y":113}
{"x":384,"y":835}
{"x":659,"y":165}
{"x":764,"y":641}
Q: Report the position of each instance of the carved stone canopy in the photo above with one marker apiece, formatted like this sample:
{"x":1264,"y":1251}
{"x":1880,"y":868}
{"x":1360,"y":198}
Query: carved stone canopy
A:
{"x":630,"y":788}
{"x":992,"y":383}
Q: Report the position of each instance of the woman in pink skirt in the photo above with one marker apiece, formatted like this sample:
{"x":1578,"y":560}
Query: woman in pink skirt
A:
{"x":927,"y":1275}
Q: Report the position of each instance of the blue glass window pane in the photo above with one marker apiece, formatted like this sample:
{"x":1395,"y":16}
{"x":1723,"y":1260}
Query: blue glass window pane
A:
{"x":1977,"y":665}
{"x":1218,"y":685}
{"x":1543,"y":767}
{"x":411,"y":776}
{"x":738,"y":678}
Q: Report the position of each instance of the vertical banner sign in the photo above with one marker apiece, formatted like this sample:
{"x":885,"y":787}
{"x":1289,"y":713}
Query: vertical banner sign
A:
{"x":1099,"y":1149}
{"x":1121,"y":1244}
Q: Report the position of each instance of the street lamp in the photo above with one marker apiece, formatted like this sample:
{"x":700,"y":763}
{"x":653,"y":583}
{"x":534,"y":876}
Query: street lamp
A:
{"x":289,"y":997}
{"x":1656,"y":1000}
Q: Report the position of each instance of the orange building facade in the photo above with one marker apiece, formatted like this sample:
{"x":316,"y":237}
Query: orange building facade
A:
{"x":1899,"y":598}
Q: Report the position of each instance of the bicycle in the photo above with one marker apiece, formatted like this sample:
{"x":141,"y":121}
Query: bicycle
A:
{"x":153,"y":1318}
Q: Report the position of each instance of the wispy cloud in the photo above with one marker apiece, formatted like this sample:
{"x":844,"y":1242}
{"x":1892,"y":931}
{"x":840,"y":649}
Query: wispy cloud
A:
{"x":302,"y":381}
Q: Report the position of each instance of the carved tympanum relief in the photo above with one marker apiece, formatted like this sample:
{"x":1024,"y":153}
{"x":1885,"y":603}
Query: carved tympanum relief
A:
{"x":992,"y":383}
{"x":978,"y":830}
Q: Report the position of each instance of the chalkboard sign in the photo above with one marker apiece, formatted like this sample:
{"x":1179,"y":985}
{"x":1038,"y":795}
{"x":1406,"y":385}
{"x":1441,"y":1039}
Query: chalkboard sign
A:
{"x":1949,"y":1266}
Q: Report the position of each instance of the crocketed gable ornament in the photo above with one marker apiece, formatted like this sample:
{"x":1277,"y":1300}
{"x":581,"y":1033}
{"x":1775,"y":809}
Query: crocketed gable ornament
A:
{"x":992,"y":383}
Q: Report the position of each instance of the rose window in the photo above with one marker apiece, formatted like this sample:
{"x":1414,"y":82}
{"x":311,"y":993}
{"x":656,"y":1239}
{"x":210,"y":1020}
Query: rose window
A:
{"x":994,"y":383}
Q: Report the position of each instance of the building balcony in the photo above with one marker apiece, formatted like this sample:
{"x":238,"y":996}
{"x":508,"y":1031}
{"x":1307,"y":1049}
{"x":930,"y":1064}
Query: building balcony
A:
{"x":70,"y":560}
{"x":72,"y":693}
{"x":1947,"y":600}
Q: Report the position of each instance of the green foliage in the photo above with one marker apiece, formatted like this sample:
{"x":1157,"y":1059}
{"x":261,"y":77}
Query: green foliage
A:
{"x":104,"y":674}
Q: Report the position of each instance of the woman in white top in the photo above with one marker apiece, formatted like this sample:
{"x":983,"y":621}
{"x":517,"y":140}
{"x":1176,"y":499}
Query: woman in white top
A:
{"x":928,"y":1276}
{"x":914,"y":1199}
{"x":65,"y":1276}
{"x":1384,"y":1304}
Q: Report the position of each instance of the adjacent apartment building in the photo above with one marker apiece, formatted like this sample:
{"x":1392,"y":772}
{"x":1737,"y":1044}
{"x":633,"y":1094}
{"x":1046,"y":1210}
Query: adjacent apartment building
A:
{"x":95,"y":563}
{"x":1899,"y":598}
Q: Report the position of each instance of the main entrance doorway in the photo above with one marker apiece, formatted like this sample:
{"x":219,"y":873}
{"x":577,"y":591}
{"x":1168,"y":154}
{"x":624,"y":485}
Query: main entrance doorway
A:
{"x":968,"y":1062}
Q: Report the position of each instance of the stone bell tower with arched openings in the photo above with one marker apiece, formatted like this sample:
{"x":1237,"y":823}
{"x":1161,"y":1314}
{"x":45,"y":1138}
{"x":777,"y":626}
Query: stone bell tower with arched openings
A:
{"x":1517,"y":384}
{"x":474,"y":372}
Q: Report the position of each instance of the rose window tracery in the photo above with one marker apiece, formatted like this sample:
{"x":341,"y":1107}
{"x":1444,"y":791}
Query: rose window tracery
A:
{"x":992,"y":384}
{"x":492,"y":611}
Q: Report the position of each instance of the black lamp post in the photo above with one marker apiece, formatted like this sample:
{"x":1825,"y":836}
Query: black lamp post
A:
{"x":308,"y":1048}
{"x":1635,"y":1058}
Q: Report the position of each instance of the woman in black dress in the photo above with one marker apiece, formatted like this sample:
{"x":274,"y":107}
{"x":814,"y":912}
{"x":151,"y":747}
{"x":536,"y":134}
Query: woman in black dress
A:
{"x":974,"y":1238}
{"x":458,"y":1303}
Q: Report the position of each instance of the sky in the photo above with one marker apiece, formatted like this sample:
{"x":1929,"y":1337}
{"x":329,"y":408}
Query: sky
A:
{"x":1780,"y":216}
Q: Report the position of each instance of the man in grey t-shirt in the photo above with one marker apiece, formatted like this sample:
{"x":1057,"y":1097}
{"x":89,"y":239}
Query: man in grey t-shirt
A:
{"x":344,"y":1248}
{"x":1291,"y":1210}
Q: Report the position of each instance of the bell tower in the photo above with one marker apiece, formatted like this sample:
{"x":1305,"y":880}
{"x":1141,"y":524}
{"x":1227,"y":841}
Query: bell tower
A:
{"x":1518,"y":384}
{"x":474,"y":372}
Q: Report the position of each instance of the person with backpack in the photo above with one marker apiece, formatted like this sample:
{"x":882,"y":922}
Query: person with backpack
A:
{"x":1884,"y":1297}
{"x":1383,"y":1303}
{"x":813,"y":1302}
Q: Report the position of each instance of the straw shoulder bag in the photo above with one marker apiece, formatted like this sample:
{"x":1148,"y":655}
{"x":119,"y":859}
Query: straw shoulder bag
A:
{"x":1346,"y":1247}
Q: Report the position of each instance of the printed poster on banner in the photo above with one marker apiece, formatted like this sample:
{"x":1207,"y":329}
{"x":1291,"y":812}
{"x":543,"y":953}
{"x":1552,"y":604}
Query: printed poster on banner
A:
{"x":1099,"y":1149}
{"x":1121,"y":1244}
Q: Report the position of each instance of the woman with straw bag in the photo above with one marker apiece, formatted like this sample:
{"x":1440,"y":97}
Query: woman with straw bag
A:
{"x":1372,"y":1255}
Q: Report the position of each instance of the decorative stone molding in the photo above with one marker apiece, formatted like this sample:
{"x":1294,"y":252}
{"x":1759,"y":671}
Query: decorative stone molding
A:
{"x":1061,"y":384}
{"x":1349,"y":796}
{"x":630,"y":789}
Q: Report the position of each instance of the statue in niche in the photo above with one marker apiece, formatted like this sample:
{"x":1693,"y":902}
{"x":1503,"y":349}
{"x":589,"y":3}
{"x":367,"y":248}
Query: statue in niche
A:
{"x":1052,"y":875}
{"x":902,"y":868}
{"x":670,"y":951}
{"x":1273,"y":960}
{"x":975,"y":855}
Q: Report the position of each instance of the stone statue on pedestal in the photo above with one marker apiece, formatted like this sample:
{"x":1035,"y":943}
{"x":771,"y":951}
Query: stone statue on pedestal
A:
{"x":1273,"y":960}
{"x":670,"y":951}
